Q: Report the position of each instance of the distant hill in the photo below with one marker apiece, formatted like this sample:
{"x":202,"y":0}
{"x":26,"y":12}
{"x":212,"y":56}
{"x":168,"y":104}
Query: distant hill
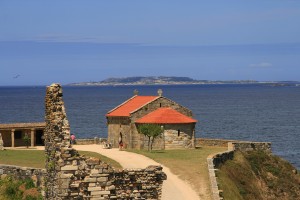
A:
{"x":157,"y":80}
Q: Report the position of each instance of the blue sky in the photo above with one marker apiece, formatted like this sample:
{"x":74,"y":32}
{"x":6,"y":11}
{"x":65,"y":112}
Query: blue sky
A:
{"x":73,"y":41}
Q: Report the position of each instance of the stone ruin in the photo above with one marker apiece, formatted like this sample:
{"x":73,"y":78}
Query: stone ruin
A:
{"x":72,"y":176}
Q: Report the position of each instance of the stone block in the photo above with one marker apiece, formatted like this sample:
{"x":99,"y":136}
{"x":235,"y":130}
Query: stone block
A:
{"x":69,"y":168}
{"x":112,"y":187}
{"x":92,"y":184}
{"x":93,"y":161}
{"x":94,"y":171}
{"x":102,"y":179}
{"x":94,"y":188}
{"x":89,"y":179}
{"x":103,"y":192}
{"x":68,"y":176}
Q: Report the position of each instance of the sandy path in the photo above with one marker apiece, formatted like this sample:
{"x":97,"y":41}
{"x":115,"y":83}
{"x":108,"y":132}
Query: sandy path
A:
{"x":173,"y":188}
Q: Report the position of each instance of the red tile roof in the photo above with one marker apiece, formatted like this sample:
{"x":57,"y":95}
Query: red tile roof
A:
{"x":130,"y":105}
{"x":165,"y":116}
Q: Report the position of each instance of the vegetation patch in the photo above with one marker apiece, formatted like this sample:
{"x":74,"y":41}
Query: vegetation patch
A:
{"x":18,"y":189}
{"x":258,"y":175}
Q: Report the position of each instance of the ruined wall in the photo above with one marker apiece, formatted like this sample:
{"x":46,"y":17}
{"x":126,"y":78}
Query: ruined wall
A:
{"x":36,"y":174}
{"x":71,"y":176}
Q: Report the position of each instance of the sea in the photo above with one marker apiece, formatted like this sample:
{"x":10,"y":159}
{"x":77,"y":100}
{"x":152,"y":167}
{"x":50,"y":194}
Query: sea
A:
{"x":251,"y":112}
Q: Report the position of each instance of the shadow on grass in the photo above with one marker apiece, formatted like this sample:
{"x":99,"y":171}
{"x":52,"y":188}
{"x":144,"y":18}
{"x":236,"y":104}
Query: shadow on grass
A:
{"x":157,"y":151}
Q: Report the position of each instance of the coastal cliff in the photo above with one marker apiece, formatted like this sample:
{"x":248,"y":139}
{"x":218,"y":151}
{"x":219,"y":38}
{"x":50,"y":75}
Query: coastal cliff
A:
{"x":258,"y":175}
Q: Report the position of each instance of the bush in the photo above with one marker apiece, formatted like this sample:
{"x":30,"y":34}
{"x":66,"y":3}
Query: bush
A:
{"x":11,"y":188}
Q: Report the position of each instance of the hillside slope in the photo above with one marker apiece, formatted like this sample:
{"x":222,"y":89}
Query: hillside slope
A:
{"x":257,"y":175}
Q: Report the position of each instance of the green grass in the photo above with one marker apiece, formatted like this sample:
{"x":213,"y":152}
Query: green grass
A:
{"x":26,"y":158}
{"x":112,"y":162}
{"x":36,"y":158}
{"x":188,"y":164}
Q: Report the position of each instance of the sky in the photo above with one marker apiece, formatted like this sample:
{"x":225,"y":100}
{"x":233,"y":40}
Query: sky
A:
{"x":69,"y":41}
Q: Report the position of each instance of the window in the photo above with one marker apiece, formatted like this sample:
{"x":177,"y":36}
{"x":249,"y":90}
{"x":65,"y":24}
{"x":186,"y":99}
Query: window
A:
{"x":18,"y":134}
{"x":178,"y":132}
{"x":160,"y":105}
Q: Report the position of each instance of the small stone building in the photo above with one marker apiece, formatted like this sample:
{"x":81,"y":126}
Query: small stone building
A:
{"x":175,"y":120}
{"x":13,"y":134}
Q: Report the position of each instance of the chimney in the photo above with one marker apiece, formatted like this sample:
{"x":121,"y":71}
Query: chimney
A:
{"x":135,"y":92}
{"x":159,"y":92}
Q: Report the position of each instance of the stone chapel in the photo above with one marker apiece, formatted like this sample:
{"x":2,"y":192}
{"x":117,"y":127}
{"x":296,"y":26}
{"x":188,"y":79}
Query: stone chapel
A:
{"x":177,"y":124}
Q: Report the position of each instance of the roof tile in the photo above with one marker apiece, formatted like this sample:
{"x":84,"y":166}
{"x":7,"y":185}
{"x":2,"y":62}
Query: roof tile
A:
{"x":131,"y":105}
{"x":165,"y":116}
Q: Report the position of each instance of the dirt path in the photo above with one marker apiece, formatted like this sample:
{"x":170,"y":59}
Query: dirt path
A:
{"x":173,"y":188}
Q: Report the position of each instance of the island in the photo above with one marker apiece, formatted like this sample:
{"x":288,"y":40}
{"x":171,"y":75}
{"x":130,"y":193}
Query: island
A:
{"x":157,"y":80}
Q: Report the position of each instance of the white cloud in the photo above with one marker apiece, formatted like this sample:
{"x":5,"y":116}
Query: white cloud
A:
{"x":261,"y":65}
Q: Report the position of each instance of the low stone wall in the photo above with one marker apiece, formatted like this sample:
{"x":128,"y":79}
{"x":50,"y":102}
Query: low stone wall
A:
{"x":250,"y":146}
{"x":215,"y":160}
{"x":212,"y":142}
{"x":36,"y":174}
{"x":88,"y":141}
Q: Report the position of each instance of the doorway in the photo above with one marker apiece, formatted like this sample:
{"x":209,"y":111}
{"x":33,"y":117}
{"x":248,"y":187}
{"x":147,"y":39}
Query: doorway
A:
{"x":39,"y":135}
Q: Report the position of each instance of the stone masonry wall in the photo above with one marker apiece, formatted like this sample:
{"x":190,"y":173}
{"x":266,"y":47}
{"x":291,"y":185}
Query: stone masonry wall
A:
{"x":212,"y":142}
{"x":250,"y":146}
{"x":36,"y":174}
{"x":71,"y":176}
{"x":95,"y":140}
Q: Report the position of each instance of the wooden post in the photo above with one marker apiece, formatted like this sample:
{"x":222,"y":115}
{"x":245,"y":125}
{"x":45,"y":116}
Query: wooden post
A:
{"x":32,"y":138}
{"x":12,"y":137}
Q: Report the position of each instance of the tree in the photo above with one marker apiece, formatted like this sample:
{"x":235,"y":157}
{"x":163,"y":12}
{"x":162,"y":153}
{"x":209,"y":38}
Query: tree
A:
{"x":151,"y":131}
{"x":26,"y":139}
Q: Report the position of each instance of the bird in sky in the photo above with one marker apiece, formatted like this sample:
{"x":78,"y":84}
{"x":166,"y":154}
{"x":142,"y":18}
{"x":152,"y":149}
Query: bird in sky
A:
{"x":17,"y":76}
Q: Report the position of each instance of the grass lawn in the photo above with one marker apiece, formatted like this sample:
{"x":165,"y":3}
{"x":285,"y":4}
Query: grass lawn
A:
{"x":188,"y":164}
{"x":36,"y":158}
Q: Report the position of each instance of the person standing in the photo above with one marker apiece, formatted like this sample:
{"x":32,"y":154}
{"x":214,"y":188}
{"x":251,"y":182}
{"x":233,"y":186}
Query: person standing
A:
{"x":73,"y":138}
{"x":121,"y":145}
